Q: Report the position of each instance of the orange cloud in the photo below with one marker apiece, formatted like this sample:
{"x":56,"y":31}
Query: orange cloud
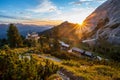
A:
{"x":44,"y":22}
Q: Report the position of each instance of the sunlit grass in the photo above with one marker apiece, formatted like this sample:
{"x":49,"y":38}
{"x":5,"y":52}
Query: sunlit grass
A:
{"x":94,"y":72}
{"x":90,"y":70}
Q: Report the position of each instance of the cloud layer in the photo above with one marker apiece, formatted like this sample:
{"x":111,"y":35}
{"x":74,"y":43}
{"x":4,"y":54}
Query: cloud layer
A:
{"x":44,"y":7}
{"x":79,"y":2}
{"x":47,"y":11}
{"x":14,"y":17}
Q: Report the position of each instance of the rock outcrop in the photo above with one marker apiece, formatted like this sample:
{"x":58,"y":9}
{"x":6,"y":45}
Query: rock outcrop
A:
{"x":104,"y":22}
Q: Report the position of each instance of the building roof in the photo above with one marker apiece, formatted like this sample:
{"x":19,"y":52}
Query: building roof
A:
{"x":88,"y":53}
{"x":77,"y":49}
{"x":64,"y":44}
{"x":99,"y":58}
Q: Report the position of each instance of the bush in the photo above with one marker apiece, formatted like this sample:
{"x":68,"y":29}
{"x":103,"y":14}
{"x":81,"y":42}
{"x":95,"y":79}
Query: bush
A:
{"x":13,"y":68}
{"x":71,"y":63}
{"x":61,"y":55}
{"x":5,"y":47}
{"x":115,"y":56}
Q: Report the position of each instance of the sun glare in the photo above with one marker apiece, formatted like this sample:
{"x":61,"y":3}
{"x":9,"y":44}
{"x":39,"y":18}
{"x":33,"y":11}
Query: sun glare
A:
{"x":80,"y":23}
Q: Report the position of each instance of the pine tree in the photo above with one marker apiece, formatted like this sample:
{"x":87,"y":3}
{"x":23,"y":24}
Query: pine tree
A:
{"x":14,"y":37}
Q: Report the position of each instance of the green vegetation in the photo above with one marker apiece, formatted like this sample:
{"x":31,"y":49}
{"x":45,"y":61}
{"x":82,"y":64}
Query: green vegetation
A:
{"x":3,"y":42}
{"x":107,"y":49}
{"x":38,"y":68}
{"x":93,"y":70}
{"x":14,"y":68}
{"x":14,"y":37}
{"x":30,"y":43}
{"x":64,"y":55}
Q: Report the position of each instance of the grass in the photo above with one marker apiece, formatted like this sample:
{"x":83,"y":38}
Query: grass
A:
{"x":91,"y":69}
{"x":83,"y":67}
{"x":92,"y":72}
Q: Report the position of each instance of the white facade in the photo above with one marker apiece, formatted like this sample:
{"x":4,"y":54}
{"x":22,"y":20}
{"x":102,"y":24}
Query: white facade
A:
{"x":33,"y":35}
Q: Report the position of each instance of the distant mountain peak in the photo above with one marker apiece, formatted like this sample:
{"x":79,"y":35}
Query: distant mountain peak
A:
{"x":65,"y":23}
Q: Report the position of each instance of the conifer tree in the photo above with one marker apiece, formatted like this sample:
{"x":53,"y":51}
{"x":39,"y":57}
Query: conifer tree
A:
{"x":14,"y":37}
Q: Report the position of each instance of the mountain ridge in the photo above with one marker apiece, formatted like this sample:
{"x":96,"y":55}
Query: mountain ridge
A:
{"x":107,"y":19}
{"x":23,"y":29}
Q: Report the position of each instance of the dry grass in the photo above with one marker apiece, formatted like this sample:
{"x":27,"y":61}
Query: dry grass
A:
{"x":92,"y":72}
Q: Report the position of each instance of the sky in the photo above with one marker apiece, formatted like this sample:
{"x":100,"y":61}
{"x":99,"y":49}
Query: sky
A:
{"x":46,"y":12}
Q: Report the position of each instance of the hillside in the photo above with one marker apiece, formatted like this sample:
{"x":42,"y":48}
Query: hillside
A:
{"x":66,"y":31}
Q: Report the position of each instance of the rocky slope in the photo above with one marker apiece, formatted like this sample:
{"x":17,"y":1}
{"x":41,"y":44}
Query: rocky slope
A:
{"x":104,"y":22}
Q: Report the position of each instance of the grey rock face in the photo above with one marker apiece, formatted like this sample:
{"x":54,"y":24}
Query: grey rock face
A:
{"x":106,"y":19}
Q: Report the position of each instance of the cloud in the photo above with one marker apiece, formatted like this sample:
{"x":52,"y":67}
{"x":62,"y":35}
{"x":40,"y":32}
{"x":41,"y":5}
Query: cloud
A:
{"x":14,"y":17}
{"x":3,"y":22}
{"x":75,"y":15}
{"x":85,"y":1}
{"x":44,"y":22}
{"x":80,"y":2}
{"x":47,"y":10}
{"x":5,"y":19}
{"x":44,"y":7}
{"x":101,"y":1}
